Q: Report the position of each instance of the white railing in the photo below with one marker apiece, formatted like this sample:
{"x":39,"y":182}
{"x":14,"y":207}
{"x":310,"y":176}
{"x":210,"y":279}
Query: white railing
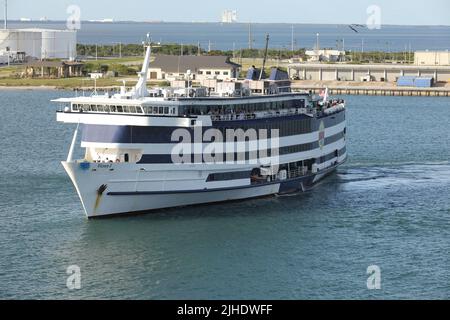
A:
{"x":261,"y":115}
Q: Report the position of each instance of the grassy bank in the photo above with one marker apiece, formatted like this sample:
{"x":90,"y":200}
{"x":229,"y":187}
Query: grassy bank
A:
{"x":66,"y":83}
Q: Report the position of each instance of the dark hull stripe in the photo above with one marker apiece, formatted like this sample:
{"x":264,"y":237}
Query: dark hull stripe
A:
{"x":287,"y":126}
{"x":167,"y":158}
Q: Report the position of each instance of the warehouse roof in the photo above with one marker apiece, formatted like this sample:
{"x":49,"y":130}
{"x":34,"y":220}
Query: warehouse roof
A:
{"x":180,"y":64}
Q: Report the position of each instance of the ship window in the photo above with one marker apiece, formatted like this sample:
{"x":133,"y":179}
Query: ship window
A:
{"x":74,"y":107}
{"x":208,"y":72}
{"x":127,"y":157}
{"x":132,"y":109}
{"x":166,"y":110}
{"x":139,"y":110}
{"x":227,"y":176}
{"x":161,"y":110}
{"x":119,"y":109}
{"x":217,"y":73}
{"x":113,"y":108}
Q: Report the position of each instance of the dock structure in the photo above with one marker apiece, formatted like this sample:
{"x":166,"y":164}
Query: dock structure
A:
{"x":376,"y":91}
{"x":365,"y":72}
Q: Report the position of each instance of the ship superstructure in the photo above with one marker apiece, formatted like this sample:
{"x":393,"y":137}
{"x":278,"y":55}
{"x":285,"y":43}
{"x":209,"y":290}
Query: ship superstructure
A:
{"x":168,"y":147}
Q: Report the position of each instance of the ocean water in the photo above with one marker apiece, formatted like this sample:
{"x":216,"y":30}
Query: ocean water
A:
{"x":388,"y":206}
{"x":226,"y":36}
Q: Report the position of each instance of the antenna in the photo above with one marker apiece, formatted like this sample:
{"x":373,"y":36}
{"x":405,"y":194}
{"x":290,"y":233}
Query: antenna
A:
{"x":265,"y":57}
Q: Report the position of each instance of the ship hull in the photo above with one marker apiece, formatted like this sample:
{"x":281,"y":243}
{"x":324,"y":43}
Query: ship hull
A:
{"x":119,"y":197}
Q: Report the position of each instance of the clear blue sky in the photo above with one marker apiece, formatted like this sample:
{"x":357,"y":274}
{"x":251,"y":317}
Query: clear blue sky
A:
{"x":403,"y":12}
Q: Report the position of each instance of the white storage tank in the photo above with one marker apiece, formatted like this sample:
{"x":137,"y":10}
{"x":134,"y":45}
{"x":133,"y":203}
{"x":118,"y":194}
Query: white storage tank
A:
{"x":28,"y":41}
{"x":40,"y":43}
{"x":59,"y":44}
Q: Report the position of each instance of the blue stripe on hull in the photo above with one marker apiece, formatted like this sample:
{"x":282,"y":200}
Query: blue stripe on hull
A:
{"x":150,"y":134}
{"x":167,"y":158}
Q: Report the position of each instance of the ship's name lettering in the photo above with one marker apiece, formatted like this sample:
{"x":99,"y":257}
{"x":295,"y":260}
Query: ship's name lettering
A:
{"x":104,"y":166}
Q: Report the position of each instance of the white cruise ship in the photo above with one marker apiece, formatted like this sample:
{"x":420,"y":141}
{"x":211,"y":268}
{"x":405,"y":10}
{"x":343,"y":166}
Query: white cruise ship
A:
{"x":151,"y":149}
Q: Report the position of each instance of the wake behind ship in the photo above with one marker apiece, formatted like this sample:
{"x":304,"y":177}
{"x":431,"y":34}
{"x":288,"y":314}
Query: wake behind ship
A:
{"x":160,"y":148}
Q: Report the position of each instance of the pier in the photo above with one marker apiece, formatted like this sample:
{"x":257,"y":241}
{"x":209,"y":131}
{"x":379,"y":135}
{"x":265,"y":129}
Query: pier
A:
{"x":368,"y":90}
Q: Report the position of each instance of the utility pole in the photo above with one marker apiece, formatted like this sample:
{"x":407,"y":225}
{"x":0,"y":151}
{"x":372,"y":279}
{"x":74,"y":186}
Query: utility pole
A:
{"x":96,"y":52}
{"x":410,"y":51}
{"x":292,"y":39}
{"x":265,"y":57}
{"x":362,"y":50}
{"x":198,"y":49}
{"x":404,"y":54}
{"x":250,"y":38}
{"x":120,"y":50}
{"x":317,"y":42}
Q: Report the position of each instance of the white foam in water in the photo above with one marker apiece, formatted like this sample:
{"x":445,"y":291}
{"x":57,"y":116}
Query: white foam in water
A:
{"x":411,"y":176}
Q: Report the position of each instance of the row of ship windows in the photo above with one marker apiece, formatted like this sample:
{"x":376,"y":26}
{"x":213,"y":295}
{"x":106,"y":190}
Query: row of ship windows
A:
{"x":192,"y":110}
{"x":227,"y":176}
{"x":243,"y":108}
{"x":125,"y":109}
{"x":286,"y":128}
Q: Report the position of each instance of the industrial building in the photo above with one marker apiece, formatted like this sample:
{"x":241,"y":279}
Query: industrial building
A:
{"x":369,"y":72}
{"x":170,"y":68}
{"x":432,"y":58}
{"x":40,"y":43}
{"x":325,"y":55}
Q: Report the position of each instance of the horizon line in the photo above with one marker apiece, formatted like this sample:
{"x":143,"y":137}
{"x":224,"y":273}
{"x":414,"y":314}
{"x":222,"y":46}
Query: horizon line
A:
{"x":102,"y":21}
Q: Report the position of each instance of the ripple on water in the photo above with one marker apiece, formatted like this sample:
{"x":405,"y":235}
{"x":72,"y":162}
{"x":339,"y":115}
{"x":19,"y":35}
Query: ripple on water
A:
{"x":387,"y":206}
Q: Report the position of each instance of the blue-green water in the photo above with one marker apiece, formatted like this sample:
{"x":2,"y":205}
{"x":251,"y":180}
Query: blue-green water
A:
{"x":226,"y":36}
{"x":388,"y":206}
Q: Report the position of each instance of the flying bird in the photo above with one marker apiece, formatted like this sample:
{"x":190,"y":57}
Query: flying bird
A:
{"x":355,"y":27}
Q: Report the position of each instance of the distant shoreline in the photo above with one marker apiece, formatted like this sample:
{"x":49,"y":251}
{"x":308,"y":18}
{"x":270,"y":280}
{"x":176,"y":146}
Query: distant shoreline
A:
{"x":218,"y":22}
{"x":345,"y":88}
{"x":12,"y":88}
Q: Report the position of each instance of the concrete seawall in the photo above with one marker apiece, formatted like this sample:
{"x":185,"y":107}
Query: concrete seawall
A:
{"x":373,"y":90}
